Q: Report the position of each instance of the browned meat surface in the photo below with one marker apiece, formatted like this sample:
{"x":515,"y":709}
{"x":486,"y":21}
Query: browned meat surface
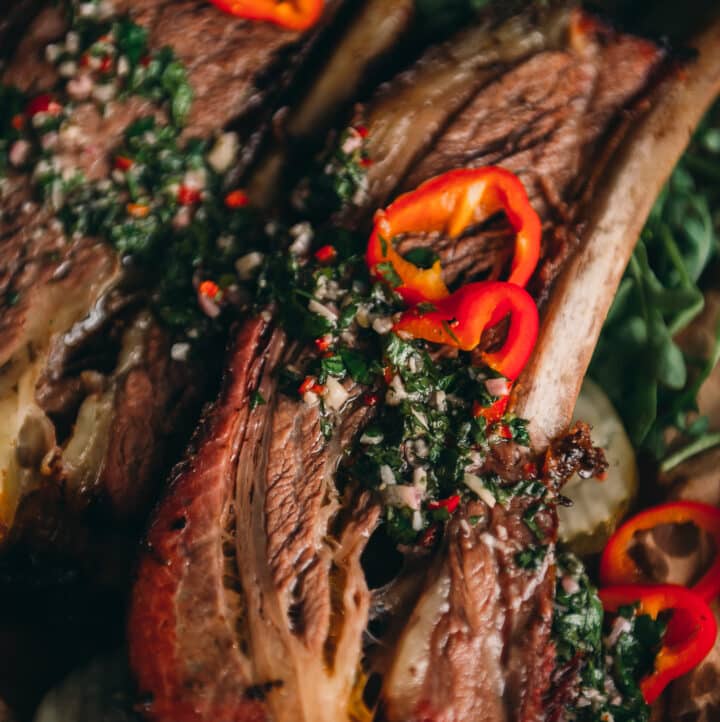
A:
{"x":483,"y":618}
{"x":227,"y":57}
{"x":116,"y":421}
{"x":250,"y":602}
{"x":551,"y":118}
{"x":477,"y":645}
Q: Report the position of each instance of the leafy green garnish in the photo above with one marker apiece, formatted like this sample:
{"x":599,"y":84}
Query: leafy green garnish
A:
{"x":610,"y":667}
{"x":421,"y":257}
{"x":531,"y":557}
{"x":652,"y":383}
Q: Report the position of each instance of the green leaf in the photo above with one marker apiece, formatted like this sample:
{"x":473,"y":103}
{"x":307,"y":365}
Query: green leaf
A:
{"x":421,"y":257}
{"x":357,"y":365}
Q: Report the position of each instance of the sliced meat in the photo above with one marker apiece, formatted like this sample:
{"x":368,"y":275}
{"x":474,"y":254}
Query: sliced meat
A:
{"x":551,"y":112}
{"x":250,"y":603}
{"x":253,"y":559}
{"x":484,"y":616}
{"x":477,"y":645}
{"x":410,"y":112}
{"x":227,"y":57}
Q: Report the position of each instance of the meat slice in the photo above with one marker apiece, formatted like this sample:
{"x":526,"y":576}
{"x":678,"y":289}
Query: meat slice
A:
{"x":250,"y":603}
{"x":549,"y":111}
{"x":478,"y":645}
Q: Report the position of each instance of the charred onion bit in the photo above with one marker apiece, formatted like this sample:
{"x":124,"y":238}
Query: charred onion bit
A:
{"x":689,"y":638}
{"x":460,"y":319}
{"x":451,"y":203}
{"x":573,"y":453}
{"x":618,"y":567}
{"x":292,"y":14}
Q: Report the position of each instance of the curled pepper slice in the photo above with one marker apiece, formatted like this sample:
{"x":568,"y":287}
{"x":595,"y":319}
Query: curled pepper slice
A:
{"x":616,"y":565}
{"x":449,"y":204}
{"x":460,"y":319}
{"x":292,"y":14}
{"x":680,"y":652}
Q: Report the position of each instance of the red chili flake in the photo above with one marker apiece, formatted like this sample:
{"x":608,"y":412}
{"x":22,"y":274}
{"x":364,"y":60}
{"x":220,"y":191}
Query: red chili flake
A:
{"x":366,"y":162}
{"x":326,"y":254}
{"x":370,"y":399}
{"x":492,"y":413}
{"x":602,"y":476}
{"x":451,"y":504}
{"x":187,"y":196}
{"x":122,"y":162}
{"x":429,"y":536}
{"x":145,"y":61}
{"x":138,"y":210}
{"x":106,"y":64}
{"x":309,"y":384}
{"x":362,"y":131}
{"x":388,"y":374}
{"x":43,"y":104}
{"x":530,"y":470}
{"x":18,"y":122}
{"x":236,"y":199}
{"x":323,"y":343}
{"x":504,"y":431}
{"x":209,"y":289}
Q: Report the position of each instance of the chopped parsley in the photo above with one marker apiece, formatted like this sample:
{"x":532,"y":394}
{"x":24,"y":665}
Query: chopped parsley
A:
{"x":339,"y":177}
{"x":611,"y":665}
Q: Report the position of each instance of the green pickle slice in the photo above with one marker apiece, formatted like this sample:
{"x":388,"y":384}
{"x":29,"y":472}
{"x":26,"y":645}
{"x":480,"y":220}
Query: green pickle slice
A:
{"x":599,"y":506}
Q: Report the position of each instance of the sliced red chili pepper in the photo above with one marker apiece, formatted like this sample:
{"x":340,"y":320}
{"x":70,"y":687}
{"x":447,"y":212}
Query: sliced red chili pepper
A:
{"x":505,"y":432}
{"x":362,"y":131}
{"x":326,"y":254}
{"x":492,"y":413}
{"x":106,"y":64}
{"x":450,"y":504}
{"x":460,"y":319}
{"x":293,"y":14}
{"x":18,"y":122}
{"x":236,"y":199}
{"x":677,"y":655}
{"x":616,"y":565}
{"x":449,"y":204}
{"x":188,"y":196}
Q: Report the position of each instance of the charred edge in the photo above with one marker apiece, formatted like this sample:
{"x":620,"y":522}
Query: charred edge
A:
{"x":259,"y":692}
{"x":234,"y":593}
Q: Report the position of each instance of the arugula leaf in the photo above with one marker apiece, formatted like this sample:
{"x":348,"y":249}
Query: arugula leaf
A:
{"x":651,"y":382}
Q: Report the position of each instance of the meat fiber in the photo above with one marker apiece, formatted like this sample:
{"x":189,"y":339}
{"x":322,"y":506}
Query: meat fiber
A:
{"x":545,"y":110}
{"x":251,"y":585}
